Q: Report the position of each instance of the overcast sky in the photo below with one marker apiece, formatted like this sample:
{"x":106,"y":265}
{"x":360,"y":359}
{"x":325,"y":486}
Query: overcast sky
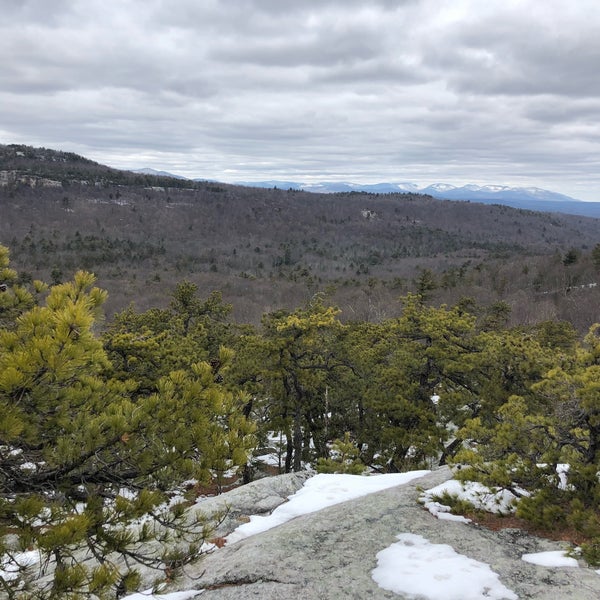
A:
{"x":456,"y":91}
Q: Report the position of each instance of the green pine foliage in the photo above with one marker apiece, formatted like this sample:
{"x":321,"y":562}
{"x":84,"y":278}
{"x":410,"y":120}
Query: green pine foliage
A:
{"x":87,"y":455}
{"x":526,"y":440}
{"x":297,"y":366}
{"x":344,"y":458}
{"x":99,"y":422}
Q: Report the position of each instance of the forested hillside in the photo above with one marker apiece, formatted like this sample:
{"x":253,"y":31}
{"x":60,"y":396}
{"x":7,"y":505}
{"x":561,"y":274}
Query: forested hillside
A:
{"x":157,"y":336}
{"x":106,"y":438}
{"x":269,"y":249}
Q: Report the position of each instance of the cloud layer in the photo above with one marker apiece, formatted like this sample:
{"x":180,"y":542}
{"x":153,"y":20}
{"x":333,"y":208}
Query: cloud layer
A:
{"x":502,"y":91}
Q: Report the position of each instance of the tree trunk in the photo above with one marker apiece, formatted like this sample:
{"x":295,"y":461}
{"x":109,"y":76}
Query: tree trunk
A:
{"x":289,"y":450}
{"x":297,"y":437}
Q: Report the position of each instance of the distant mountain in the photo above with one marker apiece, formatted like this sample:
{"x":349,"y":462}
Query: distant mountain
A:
{"x":46,"y":167}
{"x":529,"y":198}
{"x":148,"y":171}
{"x":141,"y":234}
{"x":437,"y":190}
{"x":493,"y":192}
{"x":332,"y":187}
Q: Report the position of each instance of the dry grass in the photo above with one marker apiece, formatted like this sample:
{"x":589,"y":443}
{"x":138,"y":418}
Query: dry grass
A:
{"x":496,"y":522}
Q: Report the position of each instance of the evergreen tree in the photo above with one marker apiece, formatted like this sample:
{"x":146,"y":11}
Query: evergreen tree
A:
{"x":525,"y":441}
{"x":297,"y":363}
{"x":344,"y":458}
{"x":149,"y":345}
{"x":427,"y":352}
{"x":14,"y":298}
{"x":86,"y":460}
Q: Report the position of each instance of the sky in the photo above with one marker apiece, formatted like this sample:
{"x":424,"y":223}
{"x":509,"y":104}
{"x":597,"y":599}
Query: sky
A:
{"x":423,"y":91}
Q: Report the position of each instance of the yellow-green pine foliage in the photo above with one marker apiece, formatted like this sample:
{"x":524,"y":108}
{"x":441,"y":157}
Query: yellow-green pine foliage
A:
{"x":344,"y":458}
{"x":404,"y":364}
{"x":524,"y":441}
{"x":84,"y":455}
{"x":298,"y":361}
{"x":147,"y":346}
{"x":14,"y":298}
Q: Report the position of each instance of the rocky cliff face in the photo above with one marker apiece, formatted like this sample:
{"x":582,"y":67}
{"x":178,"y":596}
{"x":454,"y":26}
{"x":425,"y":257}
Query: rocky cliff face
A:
{"x":330,"y":554}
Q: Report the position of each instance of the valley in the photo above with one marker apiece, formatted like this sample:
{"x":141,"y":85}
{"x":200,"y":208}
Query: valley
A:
{"x":266,"y":249}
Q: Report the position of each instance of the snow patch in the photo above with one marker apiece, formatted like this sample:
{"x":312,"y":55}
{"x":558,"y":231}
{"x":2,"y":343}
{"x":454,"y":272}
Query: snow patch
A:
{"x":319,"y":492}
{"x":11,"y":566}
{"x":552,"y":558}
{"x":148,"y":595}
{"x":477,"y":494}
{"x":442,"y":512}
{"x":419,"y":568}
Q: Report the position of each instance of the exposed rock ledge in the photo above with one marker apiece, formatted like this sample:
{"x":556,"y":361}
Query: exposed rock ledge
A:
{"x":330,"y":554}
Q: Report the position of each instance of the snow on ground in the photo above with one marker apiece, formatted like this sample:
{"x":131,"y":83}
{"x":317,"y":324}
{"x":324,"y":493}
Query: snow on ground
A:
{"x":553,"y":558}
{"x":9,"y":568}
{"x":319,"y":492}
{"x":272,"y":460}
{"x":415,"y":566}
{"x":481,"y":497}
{"x":442,"y":512}
{"x":411,"y":566}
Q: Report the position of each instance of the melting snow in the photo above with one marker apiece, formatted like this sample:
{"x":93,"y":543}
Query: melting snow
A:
{"x":553,"y":558}
{"x":481,"y":497}
{"x":9,"y":568}
{"x":148,"y":595}
{"x":415,"y":566}
{"x":319,"y":492}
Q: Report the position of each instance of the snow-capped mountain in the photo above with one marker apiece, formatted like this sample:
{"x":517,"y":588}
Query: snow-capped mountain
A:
{"x":480,"y":193}
{"x":530,"y":198}
{"x":473,"y":192}
{"x":484,"y":193}
{"x":437,"y":188}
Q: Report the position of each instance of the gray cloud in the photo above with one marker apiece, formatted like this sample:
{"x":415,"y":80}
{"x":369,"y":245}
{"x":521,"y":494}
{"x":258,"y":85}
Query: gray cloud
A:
{"x":430,"y":90}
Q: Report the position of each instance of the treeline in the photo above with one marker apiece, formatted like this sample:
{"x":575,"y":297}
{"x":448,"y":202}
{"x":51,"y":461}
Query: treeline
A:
{"x":98,"y":425}
{"x":142,"y":249}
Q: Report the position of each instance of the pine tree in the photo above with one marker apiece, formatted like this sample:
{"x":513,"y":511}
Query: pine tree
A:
{"x":344,"y":458}
{"x":14,"y":298}
{"x":146,"y":346}
{"x":297,"y":362}
{"x":84,"y":456}
{"x":523,"y":441}
{"x":427,"y":352}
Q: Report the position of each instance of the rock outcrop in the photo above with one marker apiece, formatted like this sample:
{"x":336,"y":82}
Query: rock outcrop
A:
{"x":260,"y":497}
{"x":330,"y":554}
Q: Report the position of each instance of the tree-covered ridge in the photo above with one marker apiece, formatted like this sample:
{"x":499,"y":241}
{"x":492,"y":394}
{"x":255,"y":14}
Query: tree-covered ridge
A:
{"x":20,"y":161}
{"x":274,"y":248}
{"x":99,"y":422}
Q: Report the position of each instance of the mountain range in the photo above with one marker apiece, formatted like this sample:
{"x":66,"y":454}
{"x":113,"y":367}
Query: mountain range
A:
{"x":529,"y":198}
{"x":437,"y":190}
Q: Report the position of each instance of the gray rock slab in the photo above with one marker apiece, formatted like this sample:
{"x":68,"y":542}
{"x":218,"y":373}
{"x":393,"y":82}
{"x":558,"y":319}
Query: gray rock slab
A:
{"x":259,"y":497}
{"x":329,"y":555}
{"x":262,"y":496}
